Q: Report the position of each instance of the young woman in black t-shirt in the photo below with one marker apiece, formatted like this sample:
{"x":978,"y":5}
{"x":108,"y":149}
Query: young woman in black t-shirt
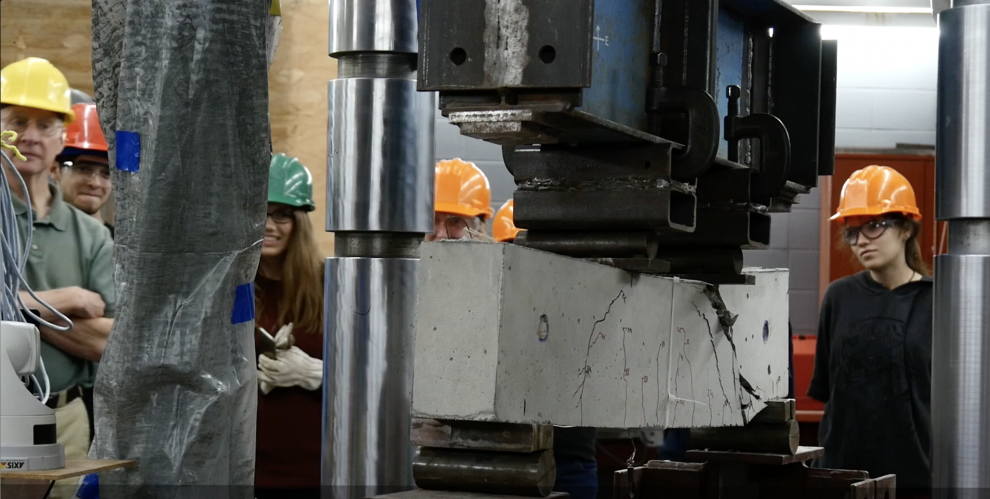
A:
{"x":873,"y":359}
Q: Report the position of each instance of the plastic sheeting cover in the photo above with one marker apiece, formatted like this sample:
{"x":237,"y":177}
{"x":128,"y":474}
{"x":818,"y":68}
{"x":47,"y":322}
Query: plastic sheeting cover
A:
{"x":186,"y":81}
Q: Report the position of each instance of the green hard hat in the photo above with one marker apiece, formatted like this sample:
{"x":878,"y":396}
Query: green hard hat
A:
{"x":289,"y":182}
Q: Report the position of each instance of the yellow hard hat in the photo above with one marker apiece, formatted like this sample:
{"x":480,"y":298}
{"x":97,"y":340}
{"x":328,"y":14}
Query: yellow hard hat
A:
{"x":462,"y":189}
{"x":36,"y":83}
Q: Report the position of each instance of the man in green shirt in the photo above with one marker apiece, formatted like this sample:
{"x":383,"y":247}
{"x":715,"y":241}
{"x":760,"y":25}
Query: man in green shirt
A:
{"x":69,"y":265}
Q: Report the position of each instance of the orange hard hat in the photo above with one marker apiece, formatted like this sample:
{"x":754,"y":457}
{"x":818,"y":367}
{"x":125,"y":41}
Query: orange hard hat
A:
{"x":462,"y":189}
{"x":876,"y":190}
{"x":503,"y":228}
{"x":84,"y":135}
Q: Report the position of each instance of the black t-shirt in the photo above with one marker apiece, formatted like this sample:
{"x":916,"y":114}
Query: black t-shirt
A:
{"x":873,"y":371}
{"x":574,"y":444}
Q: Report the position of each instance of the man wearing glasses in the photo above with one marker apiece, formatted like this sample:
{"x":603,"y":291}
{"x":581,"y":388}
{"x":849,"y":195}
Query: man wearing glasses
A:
{"x":69,"y":263}
{"x":82,"y":171}
{"x":463,"y":201}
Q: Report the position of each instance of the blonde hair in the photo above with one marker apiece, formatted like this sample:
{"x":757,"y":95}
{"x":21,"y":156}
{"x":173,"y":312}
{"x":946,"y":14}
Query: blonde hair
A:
{"x":301,"y":302}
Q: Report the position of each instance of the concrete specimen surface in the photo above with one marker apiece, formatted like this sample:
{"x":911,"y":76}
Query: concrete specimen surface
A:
{"x":510,"y":334}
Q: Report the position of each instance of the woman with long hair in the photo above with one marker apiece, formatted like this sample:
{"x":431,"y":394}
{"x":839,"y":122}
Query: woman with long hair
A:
{"x":289,"y":300}
{"x":873,"y":359}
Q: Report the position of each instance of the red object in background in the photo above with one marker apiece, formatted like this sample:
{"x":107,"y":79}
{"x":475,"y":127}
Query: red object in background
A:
{"x":809,"y":410}
{"x":804,"y":366}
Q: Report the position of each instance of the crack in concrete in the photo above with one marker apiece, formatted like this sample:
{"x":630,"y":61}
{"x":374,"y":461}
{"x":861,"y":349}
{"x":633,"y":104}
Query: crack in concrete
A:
{"x":642,"y":397}
{"x":586,"y":370}
{"x":718,"y":369}
{"x":748,"y":387}
{"x":659,"y":349}
{"x":625,"y":375}
{"x":711,"y":410}
{"x":682,"y":356}
{"x":727,"y":319}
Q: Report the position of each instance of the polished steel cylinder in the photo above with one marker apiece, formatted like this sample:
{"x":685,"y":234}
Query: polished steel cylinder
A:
{"x":961,"y":337}
{"x":380,"y":141}
{"x":370,"y":304}
{"x":379,"y":203}
{"x":373,"y":26}
{"x":963,"y":131}
{"x":961,"y":373}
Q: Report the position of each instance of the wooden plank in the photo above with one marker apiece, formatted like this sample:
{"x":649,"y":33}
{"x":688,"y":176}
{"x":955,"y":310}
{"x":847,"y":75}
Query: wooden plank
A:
{"x":57,"y":30}
{"x":885,"y":487}
{"x":478,"y":435}
{"x":73,"y":468}
{"x":297,"y":98}
{"x":862,"y":490}
{"x":803,"y":454}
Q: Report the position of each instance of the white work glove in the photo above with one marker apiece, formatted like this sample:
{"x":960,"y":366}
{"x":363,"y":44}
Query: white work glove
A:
{"x":292,"y":368}
{"x":283,"y":338}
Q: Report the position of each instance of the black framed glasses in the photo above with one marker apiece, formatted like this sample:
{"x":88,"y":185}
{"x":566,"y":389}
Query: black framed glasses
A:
{"x":282,"y":216}
{"x":870,"y":230}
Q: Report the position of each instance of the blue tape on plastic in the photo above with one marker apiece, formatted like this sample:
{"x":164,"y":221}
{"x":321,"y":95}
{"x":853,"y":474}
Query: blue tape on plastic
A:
{"x":90,"y":487}
{"x":243,"y":304}
{"x":128,"y":151}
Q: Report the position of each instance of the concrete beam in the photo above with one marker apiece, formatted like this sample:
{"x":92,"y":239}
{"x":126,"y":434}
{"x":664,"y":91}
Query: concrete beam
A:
{"x":506,"y":333}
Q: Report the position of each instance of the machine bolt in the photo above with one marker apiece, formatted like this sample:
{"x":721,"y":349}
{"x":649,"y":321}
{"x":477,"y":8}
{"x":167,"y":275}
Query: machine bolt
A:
{"x":659,"y":59}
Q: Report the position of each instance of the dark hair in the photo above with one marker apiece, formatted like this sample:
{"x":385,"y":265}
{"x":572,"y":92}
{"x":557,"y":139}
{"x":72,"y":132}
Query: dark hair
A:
{"x":912,"y":246}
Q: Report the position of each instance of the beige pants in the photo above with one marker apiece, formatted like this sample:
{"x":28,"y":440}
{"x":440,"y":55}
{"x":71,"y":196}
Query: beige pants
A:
{"x":72,"y":431}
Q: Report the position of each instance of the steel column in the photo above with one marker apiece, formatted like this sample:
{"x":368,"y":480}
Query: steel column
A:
{"x":379,"y":206}
{"x":961,"y":339}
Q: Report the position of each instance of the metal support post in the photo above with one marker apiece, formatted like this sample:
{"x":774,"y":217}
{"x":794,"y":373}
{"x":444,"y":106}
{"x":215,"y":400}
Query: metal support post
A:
{"x":961,"y":339}
{"x":379,"y":205}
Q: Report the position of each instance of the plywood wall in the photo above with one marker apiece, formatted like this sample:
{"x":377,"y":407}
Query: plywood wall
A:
{"x":61,"y":31}
{"x":298,"y":96}
{"x":58,"y":30}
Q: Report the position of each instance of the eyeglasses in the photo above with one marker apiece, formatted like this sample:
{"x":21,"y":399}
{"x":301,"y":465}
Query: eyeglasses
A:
{"x":871,"y":230}
{"x":48,"y":127}
{"x":455,"y":227}
{"x":282,"y":217}
{"x":89,"y":170}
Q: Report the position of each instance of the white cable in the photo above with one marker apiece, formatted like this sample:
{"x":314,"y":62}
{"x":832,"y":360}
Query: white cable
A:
{"x":14,"y":260}
{"x":20,"y":302}
{"x":48,"y":383}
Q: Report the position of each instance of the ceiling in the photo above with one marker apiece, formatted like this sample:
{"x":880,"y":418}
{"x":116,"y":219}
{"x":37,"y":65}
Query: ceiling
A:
{"x":869,"y":12}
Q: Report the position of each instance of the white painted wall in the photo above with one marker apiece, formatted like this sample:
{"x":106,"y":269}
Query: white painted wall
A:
{"x":886,"y":95}
{"x":887,"y":82}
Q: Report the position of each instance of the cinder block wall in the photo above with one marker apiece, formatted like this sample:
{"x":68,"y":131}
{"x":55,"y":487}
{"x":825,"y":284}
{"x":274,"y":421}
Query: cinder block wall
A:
{"x":887,"y":79}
